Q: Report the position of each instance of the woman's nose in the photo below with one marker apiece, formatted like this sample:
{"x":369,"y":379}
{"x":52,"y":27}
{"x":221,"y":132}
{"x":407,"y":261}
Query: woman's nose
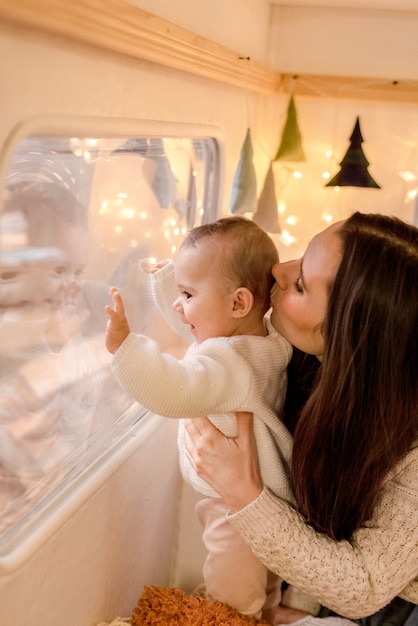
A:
{"x":280,"y":274}
{"x":286,"y":273}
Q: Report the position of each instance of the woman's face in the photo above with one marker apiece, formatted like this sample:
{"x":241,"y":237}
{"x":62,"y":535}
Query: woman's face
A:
{"x":300,"y":294}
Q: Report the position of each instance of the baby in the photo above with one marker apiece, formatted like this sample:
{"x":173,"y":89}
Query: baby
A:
{"x":237,"y":362}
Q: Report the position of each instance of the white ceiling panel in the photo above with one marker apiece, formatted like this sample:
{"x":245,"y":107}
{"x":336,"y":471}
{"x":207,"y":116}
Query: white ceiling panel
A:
{"x":390,"y":5}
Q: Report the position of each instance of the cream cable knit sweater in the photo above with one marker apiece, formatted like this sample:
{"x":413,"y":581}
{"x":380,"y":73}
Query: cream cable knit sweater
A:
{"x":356,"y":578}
{"x":219,"y":376}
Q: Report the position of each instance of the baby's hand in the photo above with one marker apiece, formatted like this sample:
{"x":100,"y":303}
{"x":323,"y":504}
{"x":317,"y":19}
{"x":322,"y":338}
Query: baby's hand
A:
{"x":151,"y":266}
{"x":117,"y":328}
{"x":66,"y":320}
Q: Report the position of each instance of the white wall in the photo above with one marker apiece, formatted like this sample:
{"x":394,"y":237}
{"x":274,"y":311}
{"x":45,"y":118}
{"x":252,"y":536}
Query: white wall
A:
{"x":92,"y":562}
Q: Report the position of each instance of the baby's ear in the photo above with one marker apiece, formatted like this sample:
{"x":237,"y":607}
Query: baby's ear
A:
{"x":243,"y":301}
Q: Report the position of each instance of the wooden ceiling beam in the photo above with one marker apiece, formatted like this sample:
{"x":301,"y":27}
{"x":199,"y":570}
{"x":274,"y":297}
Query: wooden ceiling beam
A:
{"x":120,"y":27}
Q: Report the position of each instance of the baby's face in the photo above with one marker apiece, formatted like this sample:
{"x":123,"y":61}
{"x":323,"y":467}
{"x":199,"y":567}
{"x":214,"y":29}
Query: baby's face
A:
{"x":32,"y":279}
{"x":34,"y":285}
{"x":206,"y":299}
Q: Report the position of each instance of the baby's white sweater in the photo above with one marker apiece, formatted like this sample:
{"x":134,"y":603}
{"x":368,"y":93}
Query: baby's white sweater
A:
{"x":219,"y":376}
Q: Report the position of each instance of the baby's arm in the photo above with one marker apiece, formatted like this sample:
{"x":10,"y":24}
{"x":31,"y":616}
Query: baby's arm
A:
{"x":202,"y":383}
{"x":117,"y":328}
{"x":165,"y":292}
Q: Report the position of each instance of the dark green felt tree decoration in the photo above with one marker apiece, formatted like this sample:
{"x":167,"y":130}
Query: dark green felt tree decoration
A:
{"x":354,"y":172}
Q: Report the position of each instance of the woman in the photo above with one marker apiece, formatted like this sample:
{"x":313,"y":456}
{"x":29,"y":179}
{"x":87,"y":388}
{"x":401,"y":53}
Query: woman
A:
{"x":352,"y":302}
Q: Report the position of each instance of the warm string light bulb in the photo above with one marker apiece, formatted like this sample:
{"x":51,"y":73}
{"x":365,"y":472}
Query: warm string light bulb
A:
{"x":409,"y":176}
{"x":329,"y":154}
{"x":122,"y":217}
{"x":327,"y":217}
{"x":287,"y":237}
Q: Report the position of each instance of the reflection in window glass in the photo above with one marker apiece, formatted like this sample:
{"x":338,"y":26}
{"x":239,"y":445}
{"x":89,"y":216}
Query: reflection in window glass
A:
{"x":78,"y":215}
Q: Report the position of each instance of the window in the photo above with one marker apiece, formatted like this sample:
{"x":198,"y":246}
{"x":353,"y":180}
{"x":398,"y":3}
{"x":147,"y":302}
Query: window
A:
{"x":78,"y":214}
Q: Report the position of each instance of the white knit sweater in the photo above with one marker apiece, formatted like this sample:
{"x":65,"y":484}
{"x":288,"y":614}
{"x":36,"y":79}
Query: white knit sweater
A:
{"x":216,"y":378}
{"x":355,"y":578}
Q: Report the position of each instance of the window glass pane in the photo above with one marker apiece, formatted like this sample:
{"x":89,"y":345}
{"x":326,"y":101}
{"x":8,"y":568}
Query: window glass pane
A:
{"x":78,"y":215}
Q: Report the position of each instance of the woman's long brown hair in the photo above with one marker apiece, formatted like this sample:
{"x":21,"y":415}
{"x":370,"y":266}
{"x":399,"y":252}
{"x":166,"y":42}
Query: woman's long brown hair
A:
{"x":361,"y":418}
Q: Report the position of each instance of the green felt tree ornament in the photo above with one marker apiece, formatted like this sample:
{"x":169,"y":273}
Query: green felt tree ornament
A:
{"x":290,"y":148}
{"x":267,"y":216}
{"x":354,"y":172}
{"x":244,"y":184}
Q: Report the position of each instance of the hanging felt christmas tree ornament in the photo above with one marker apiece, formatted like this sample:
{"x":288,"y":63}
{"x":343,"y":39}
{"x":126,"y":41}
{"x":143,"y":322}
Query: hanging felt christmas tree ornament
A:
{"x":244,"y":184}
{"x":156,"y":167}
{"x":267,"y":215}
{"x":158,"y":170}
{"x":354,"y":172}
{"x":290,"y":148}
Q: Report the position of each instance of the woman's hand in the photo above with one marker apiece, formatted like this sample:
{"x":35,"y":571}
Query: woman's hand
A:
{"x":229,"y":465}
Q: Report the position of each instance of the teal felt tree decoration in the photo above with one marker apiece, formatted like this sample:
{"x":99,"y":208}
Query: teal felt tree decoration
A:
{"x":267,"y":215}
{"x":290,"y":148}
{"x":244,"y":184}
{"x":354,"y":172}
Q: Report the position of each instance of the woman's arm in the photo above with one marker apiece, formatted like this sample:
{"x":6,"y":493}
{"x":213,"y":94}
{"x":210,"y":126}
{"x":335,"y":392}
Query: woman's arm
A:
{"x":354,"y":578}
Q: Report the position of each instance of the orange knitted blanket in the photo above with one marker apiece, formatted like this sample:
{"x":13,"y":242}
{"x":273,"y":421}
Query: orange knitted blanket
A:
{"x":170,"y":606}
